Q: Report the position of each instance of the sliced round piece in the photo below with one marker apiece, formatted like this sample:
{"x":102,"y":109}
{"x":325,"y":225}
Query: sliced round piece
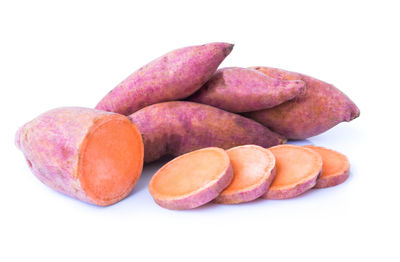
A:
{"x":253,"y":171}
{"x":192,"y":179}
{"x":297,"y":170}
{"x":335,"y":167}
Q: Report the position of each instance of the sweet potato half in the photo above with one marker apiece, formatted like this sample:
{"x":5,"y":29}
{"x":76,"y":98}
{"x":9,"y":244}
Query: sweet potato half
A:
{"x":91,"y":155}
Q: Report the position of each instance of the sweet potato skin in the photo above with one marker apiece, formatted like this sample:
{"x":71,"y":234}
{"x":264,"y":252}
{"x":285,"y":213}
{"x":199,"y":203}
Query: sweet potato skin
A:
{"x":240,"y":90}
{"x":51,"y":144}
{"x":175,"y":128}
{"x":247,"y":196}
{"x":291,"y":192}
{"x":173,"y":76}
{"x":332,"y":181}
{"x":319,"y":108}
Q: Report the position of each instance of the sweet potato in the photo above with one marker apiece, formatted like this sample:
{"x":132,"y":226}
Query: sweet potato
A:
{"x":191,"y":180}
{"x":335,"y":167}
{"x":175,"y":128}
{"x":297,"y":170}
{"x":319,"y":108}
{"x":242,"y":90}
{"x":91,"y":155}
{"x":253,"y":172}
{"x":176,"y":75}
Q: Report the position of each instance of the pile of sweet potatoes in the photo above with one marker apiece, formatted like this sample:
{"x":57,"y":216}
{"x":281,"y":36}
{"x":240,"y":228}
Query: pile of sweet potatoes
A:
{"x":181,"y":103}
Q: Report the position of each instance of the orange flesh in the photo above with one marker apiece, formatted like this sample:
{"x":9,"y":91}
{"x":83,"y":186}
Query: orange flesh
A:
{"x":333,"y":163}
{"x":251,"y":165}
{"x":189,"y":172}
{"x":294,"y":164}
{"x":111,"y":159}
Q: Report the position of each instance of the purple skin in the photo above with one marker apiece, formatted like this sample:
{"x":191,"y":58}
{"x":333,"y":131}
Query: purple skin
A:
{"x":51,"y":144}
{"x":250,"y":193}
{"x":240,"y":90}
{"x":293,"y":191}
{"x":175,"y":128}
{"x":321,"y":107}
{"x":332,"y":180}
{"x":176,"y":75}
{"x":201,"y":196}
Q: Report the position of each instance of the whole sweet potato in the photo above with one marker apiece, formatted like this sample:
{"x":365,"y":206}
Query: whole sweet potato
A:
{"x":175,"y":128}
{"x":319,"y":108}
{"x":176,"y":75}
{"x":240,"y":90}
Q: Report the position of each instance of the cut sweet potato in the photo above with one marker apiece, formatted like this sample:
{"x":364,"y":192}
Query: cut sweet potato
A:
{"x":253,"y":171}
{"x":192,"y":179}
{"x":335,"y":167}
{"x":297,"y":170}
{"x":91,"y":155}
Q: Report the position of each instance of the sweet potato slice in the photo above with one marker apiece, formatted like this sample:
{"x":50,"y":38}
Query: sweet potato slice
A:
{"x":335,"y":167}
{"x":297,"y":170}
{"x":192,"y":179}
{"x":253,"y":171}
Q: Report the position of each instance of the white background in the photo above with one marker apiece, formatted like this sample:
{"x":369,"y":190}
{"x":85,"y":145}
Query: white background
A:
{"x":72,"y":53}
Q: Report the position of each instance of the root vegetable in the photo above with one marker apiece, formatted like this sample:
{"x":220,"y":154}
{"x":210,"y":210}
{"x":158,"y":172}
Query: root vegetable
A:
{"x":321,"y":107}
{"x":191,"y":180}
{"x":335,"y":167}
{"x":91,"y":155}
{"x":176,"y":75}
{"x":242,"y":90}
{"x":297,"y":170}
{"x":175,"y":128}
{"x":253,"y":172}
